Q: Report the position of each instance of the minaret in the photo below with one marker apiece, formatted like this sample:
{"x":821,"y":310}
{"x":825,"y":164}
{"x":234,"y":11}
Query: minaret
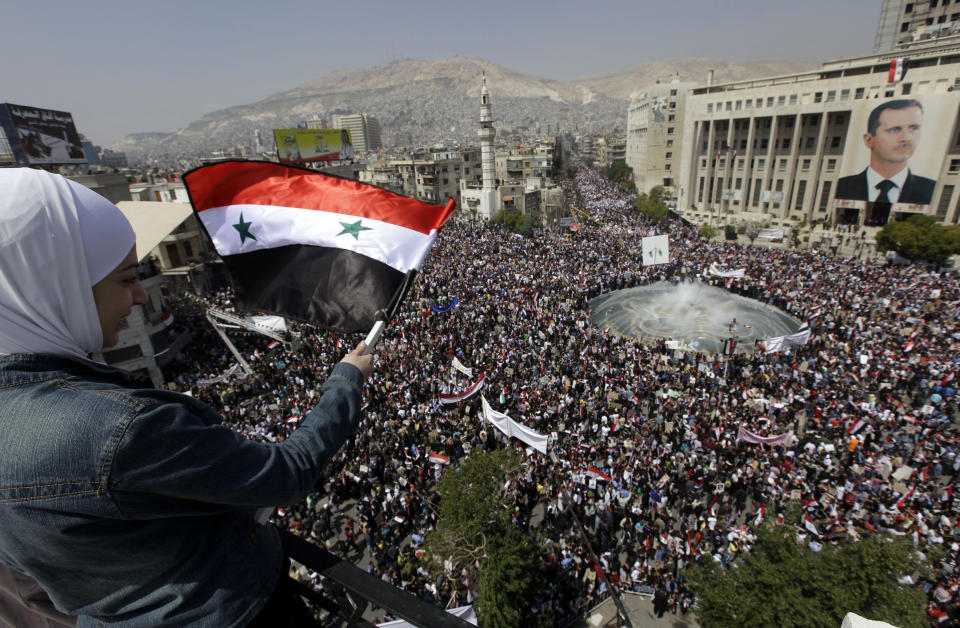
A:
{"x":489,"y":195}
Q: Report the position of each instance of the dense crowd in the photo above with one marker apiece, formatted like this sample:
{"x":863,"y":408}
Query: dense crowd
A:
{"x":868,"y":403}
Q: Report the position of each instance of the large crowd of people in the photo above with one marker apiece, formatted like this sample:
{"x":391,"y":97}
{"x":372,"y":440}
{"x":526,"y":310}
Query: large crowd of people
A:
{"x":643,"y":445}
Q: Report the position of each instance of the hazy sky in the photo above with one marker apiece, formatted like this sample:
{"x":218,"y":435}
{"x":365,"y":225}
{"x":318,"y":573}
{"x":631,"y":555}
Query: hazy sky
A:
{"x":132,"y":66}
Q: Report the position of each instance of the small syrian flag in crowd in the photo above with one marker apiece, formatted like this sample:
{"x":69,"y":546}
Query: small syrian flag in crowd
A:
{"x":281,"y":512}
{"x":438,"y":458}
{"x":902,"y":500}
{"x":713,"y":507}
{"x":729,"y":345}
{"x":759,"y":518}
{"x":167,"y":319}
{"x":810,"y":504}
{"x":293,"y":419}
{"x":907,"y":348}
{"x":273,"y":344}
{"x":333,"y":252}
{"x":855,"y":426}
{"x":808,"y":524}
{"x":898,"y":69}
{"x":597,"y":474}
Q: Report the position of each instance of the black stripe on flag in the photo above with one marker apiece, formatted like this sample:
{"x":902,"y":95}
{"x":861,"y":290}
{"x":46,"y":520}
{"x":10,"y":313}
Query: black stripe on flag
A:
{"x":335,"y":289}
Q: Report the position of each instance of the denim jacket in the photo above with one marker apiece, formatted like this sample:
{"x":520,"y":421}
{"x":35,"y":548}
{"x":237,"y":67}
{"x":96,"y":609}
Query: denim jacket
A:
{"x":133,"y":506}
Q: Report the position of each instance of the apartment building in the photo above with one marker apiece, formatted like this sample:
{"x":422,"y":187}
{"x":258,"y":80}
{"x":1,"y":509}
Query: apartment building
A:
{"x":364,"y":130}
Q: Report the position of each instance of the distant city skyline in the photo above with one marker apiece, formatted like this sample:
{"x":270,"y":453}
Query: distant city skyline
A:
{"x":129,"y":67}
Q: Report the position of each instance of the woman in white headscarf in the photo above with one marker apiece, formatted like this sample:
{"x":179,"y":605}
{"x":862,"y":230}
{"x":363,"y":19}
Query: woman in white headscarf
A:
{"x":130,"y":505}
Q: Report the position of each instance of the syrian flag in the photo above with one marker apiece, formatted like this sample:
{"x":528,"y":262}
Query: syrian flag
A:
{"x":898,"y":69}
{"x":333,"y":252}
{"x":713,"y":507}
{"x":808,"y":524}
{"x":903,"y":499}
{"x":293,"y":419}
{"x":273,"y":344}
{"x":759,"y":518}
{"x":597,"y":474}
{"x":908,"y":347}
{"x":855,"y":427}
{"x":473,"y":389}
{"x":438,"y":458}
{"x":729,"y":345}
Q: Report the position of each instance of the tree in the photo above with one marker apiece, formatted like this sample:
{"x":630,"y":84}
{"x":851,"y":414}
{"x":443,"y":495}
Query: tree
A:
{"x":515,"y":221}
{"x":651,"y":205}
{"x":920,"y":238}
{"x":620,"y":173}
{"x":475,"y":528}
{"x":708,"y":232}
{"x":784,"y":583}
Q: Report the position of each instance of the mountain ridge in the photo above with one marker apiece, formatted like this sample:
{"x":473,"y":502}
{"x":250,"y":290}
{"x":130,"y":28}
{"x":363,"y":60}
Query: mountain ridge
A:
{"x":424,"y":101}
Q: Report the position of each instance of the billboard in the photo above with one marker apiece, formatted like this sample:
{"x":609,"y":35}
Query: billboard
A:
{"x":302,"y":146}
{"x":893,"y":156}
{"x":41,"y":136}
{"x":655,"y":250}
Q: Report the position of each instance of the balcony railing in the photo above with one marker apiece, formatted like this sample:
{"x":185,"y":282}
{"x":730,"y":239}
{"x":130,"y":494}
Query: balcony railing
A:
{"x":348,"y":590}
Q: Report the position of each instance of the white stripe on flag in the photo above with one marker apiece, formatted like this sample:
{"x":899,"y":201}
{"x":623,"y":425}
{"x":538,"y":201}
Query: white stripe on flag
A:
{"x":273,"y":226}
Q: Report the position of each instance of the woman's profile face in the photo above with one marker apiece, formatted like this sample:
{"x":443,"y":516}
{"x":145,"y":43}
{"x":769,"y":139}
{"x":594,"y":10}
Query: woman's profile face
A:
{"x":115,"y":295}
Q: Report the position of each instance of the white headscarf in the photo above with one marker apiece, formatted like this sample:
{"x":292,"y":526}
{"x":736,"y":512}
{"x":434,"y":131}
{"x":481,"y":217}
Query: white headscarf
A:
{"x":57,"y":239}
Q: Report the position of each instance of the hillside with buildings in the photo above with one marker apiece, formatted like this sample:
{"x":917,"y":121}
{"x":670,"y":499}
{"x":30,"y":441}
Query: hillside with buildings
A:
{"x":420,"y":102}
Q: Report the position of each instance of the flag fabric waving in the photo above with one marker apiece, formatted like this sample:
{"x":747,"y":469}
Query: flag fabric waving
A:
{"x":333,"y":252}
{"x":470,"y":391}
{"x":513,"y":429}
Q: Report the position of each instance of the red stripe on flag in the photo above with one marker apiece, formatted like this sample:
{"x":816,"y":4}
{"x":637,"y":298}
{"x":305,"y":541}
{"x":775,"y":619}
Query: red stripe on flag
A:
{"x":261,"y":183}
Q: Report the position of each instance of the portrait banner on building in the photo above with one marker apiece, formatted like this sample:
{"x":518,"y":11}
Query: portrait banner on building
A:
{"x":41,"y":136}
{"x":302,"y":146}
{"x":655,"y":250}
{"x":893,"y":156}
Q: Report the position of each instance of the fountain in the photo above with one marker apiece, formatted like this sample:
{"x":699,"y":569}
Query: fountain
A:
{"x":697,"y":316}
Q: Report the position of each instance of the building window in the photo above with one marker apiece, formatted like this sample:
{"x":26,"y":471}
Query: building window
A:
{"x":944,"y":205}
{"x":810,"y":141}
{"x":739,"y":105}
{"x":844,"y":94}
{"x":709,"y":107}
{"x":756,"y":190}
{"x":669,"y":156}
{"x":793,"y":99}
{"x":831,"y":95}
{"x":908,"y":8}
{"x":801,"y":190}
{"x":831,"y":165}
{"x":806,"y":164}
{"x":703,"y":162}
{"x":764,"y":143}
{"x":669,"y":143}
{"x":835,"y":142}
{"x":859,"y":93}
{"x":905,"y":27}
{"x":666,"y":167}
{"x":671,"y":118}
{"x":955,"y":165}
{"x":759,"y":103}
{"x":669,"y":130}
{"x":786,"y":143}
{"x":781,"y":101}
{"x":673,"y":92}
{"x":729,"y":105}
{"x":748,"y":104}
{"x":783,"y":164}
{"x":905,"y":88}
{"x":762,"y":163}
{"x":769,"y":101}
{"x":825,"y":195}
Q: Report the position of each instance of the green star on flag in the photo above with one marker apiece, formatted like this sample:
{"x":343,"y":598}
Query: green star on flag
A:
{"x":244,"y":229}
{"x":353,"y":229}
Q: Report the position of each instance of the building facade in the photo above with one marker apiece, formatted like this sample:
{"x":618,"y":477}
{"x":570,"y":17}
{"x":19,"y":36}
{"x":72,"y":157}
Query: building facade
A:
{"x":906,"y":21}
{"x":655,"y":124}
{"x":364,"y":130}
{"x":775,"y":150}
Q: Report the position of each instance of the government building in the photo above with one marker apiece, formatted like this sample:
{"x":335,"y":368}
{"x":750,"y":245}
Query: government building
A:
{"x":773,"y":151}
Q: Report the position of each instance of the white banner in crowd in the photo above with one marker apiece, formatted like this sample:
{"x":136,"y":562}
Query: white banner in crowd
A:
{"x":770,"y":234}
{"x":737,"y":274}
{"x":746,"y":435}
{"x":457,"y":364}
{"x":655,"y":250}
{"x":233,"y":371}
{"x":513,"y":429}
{"x":779,"y":343}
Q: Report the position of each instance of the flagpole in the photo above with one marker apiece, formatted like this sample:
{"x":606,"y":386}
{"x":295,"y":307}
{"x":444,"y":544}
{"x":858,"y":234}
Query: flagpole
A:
{"x":374,"y":336}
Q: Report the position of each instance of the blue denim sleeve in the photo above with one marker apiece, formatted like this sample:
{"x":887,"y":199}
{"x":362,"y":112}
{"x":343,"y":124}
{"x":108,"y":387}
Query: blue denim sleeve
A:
{"x":173,"y":457}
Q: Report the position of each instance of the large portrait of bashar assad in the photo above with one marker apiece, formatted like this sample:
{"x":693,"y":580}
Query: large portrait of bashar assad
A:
{"x":892,"y":137}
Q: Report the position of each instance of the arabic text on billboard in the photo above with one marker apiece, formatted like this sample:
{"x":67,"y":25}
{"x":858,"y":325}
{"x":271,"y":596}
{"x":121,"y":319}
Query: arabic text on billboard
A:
{"x":301,"y":146}
{"x":41,"y":136}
